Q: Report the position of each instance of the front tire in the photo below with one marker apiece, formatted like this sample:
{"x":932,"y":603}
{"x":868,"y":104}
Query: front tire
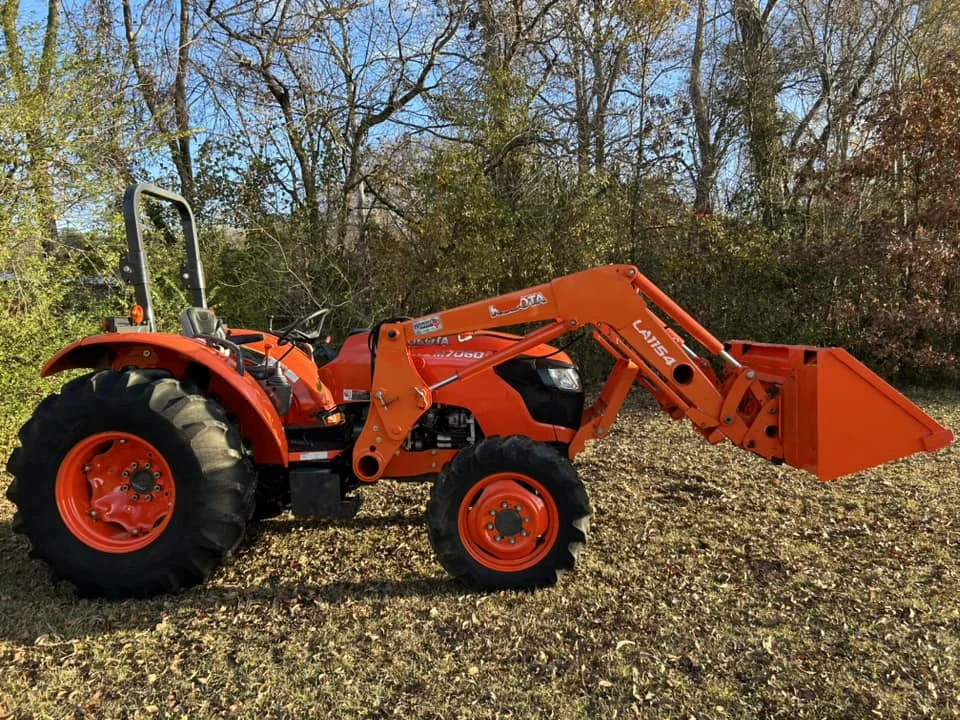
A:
{"x":508,"y":513}
{"x":127,"y":485}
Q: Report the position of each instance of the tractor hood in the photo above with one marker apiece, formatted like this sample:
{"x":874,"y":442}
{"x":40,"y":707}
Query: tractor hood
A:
{"x":348,"y":375}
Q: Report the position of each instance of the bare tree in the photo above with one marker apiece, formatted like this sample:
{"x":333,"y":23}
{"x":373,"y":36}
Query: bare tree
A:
{"x":34,"y":96}
{"x":509,"y":63}
{"x":165,"y":96}
{"x":608,"y":58}
{"x":761,"y":79}
{"x":597,"y":45}
{"x":841,"y":47}
{"x":712,"y":112}
{"x":330,"y":77}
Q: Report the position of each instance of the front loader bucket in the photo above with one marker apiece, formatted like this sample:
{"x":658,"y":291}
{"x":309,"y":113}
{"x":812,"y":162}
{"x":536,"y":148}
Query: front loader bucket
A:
{"x":837,"y":416}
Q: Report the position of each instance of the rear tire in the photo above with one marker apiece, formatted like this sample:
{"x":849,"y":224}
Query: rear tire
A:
{"x":508,"y":513}
{"x":158,"y":527}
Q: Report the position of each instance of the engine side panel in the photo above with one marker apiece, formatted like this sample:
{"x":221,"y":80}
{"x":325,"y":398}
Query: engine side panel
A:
{"x":499,"y":409}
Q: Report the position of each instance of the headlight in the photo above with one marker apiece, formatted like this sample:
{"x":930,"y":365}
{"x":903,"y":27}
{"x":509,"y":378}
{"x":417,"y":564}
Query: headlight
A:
{"x":562,"y":378}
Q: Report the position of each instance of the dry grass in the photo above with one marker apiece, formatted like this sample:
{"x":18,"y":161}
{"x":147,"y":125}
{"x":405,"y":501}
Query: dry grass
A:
{"x":715,"y":585}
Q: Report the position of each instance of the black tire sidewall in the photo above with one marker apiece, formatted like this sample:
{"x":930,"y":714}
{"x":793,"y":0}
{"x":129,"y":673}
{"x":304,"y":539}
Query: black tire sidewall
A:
{"x":56,"y":540}
{"x":214,"y":482}
{"x":554,"y":473}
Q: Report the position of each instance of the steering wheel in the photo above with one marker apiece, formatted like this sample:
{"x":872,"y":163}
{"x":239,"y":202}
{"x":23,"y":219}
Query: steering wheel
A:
{"x":294,"y":332}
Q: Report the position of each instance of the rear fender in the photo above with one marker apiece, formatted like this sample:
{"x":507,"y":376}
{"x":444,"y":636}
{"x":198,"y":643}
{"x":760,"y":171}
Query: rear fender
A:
{"x":241,"y":395}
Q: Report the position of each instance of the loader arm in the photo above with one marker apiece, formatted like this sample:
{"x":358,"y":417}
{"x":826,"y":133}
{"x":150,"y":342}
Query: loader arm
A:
{"x":781,"y":410}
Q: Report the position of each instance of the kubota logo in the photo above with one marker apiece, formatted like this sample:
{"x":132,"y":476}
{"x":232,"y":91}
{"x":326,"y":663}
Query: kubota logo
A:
{"x":442,"y":340}
{"x":654,"y":342}
{"x":526,"y":302}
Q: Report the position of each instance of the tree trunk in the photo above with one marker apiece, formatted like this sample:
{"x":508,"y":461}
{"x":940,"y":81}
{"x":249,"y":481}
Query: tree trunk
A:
{"x":34,"y":101}
{"x":760,"y":83}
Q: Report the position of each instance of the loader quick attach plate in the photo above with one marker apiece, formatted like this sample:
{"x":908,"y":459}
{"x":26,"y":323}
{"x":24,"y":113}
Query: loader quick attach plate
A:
{"x":838,"y":416}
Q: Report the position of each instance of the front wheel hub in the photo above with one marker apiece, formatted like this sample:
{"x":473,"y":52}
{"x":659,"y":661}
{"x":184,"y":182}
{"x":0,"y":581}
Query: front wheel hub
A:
{"x":508,"y":522}
{"x":115,"y":492}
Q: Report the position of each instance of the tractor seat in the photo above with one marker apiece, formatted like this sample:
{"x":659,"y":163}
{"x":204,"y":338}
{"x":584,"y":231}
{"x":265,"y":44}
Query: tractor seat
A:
{"x":201,"y":321}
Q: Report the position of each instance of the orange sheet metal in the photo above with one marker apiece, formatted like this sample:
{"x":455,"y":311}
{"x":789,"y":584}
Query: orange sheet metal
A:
{"x":838,"y":416}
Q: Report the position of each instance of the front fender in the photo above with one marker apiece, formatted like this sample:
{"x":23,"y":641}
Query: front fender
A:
{"x":241,"y":395}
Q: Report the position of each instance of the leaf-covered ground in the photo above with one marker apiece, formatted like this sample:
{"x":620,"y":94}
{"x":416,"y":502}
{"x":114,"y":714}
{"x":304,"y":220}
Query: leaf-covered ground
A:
{"x":715,"y":586}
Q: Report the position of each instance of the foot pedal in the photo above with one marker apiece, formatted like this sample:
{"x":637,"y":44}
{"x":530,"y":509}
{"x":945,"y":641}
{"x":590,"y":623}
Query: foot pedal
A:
{"x":315,"y":491}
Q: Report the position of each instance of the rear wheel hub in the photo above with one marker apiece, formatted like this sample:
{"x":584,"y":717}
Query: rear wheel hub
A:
{"x":115,"y":492}
{"x":142,"y":481}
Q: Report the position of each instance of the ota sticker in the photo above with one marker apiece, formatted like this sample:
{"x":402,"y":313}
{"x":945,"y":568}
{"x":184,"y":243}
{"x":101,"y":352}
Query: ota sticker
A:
{"x":525,"y":303}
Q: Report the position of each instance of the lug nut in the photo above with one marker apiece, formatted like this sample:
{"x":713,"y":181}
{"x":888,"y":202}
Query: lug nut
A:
{"x":86,"y":468}
{"x":135,"y":497}
{"x":156,"y":475}
{"x":519,"y":508}
{"x":524,"y":533}
{"x":146,"y":466}
{"x":125,"y":474}
{"x":123,"y":441}
{"x":489,"y":526}
{"x":526,"y":520}
{"x":504,"y":505}
{"x":93,"y":514}
{"x":148,"y":497}
{"x":135,"y":532}
{"x":498,"y":538}
{"x":493,"y":512}
{"x":512,"y":541}
{"x":124,"y":488}
{"x":156,"y":488}
{"x":133,"y":466}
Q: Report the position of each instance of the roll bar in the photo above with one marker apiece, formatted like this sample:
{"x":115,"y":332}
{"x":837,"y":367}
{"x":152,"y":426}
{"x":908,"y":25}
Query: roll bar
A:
{"x":133,"y":265}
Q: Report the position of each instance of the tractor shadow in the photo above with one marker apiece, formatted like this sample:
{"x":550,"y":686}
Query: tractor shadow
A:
{"x":286,"y":522}
{"x":425,"y":587}
{"x":35,"y":611}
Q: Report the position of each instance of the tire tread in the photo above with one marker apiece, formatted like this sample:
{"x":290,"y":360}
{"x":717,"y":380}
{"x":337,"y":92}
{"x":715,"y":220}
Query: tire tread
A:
{"x":226,"y":480}
{"x":495,"y":454}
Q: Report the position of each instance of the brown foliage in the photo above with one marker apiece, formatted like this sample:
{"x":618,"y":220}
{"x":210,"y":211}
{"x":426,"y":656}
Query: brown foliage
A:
{"x":893,"y":253}
{"x":714,"y":586}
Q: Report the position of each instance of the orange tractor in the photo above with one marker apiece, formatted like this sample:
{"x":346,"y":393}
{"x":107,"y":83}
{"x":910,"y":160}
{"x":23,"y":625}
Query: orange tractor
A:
{"x":139,"y":477}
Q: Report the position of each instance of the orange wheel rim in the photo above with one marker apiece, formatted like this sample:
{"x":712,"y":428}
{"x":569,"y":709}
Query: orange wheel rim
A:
{"x":508,"y":522}
{"x":115,"y":492}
